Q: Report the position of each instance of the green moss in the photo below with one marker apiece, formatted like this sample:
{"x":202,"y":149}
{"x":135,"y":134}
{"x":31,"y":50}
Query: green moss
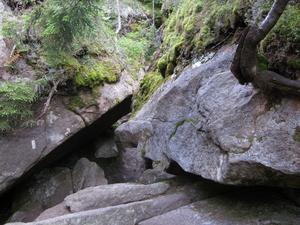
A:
{"x":189,"y":28}
{"x":97,"y":75}
{"x":296,"y":136}
{"x":170,"y":68}
{"x":177,"y":48}
{"x":294,"y":63}
{"x":240,"y":152}
{"x":180,"y":123}
{"x":118,"y":101}
{"x":250,"y":140}
{"x":148,"y":86}
{"x":262,"y":61}
{"x":196,"y":24}
{"x":259,"y":139}
{"x":199,"y":7}
{"x":143,"y":153}
{"x":172,"y":58}
{"x":162,"y":66}
{"x":288,"y":24}
{"x":76,"y":102}
{"x":111,"y":79}
{"x":115,"y":126}
{"x":71,"y":65}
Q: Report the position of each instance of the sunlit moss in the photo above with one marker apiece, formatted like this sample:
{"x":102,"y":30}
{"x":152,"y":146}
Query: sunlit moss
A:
{"x":148,"y":86}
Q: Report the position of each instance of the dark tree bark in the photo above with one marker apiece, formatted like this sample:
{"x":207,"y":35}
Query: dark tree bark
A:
{"x":244,"y":66}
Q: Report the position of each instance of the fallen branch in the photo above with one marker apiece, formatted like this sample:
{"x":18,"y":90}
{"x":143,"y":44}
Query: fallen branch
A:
{"x":49,"y":98}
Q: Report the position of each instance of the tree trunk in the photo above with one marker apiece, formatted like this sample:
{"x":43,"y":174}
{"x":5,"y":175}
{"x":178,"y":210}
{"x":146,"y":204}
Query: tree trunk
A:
{"x":244,"y":66}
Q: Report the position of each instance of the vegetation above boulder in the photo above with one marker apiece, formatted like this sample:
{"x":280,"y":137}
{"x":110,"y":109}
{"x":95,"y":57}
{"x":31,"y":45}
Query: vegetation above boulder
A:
{"x":193,"y":30}
{"x":196,"y":27}
{"x":72,"y":45}
{"x":244,"y":66}
{"x":94,"y":48}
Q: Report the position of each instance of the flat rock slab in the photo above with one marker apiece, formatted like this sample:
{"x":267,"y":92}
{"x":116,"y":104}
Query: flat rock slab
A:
{"x":124,"y":214}
{"x":254,"y":206}
{"x":134,"y":202}
{"x":110,"y":195}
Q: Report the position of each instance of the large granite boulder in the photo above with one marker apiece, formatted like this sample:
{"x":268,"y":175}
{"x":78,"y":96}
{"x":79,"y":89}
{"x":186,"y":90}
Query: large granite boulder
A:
{"x":214,"y":127}
{"x":63,"y":129}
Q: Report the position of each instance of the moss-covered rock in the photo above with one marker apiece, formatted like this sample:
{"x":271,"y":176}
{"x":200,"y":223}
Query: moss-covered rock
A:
{"x":96,"y":75}
{"x":149,"y":84}
{"x":195,"y":25}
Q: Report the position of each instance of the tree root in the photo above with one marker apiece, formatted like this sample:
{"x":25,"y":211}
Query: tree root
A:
{"x":244,"y":65}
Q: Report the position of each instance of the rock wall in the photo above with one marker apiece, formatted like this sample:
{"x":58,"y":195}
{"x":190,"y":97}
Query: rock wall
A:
{"x":214,"y":127}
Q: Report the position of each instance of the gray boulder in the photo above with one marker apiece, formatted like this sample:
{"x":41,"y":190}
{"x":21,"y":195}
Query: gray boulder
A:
{"x":131,"y":159}
{"x":214,"y":127}
{"x":106,"y":148}
{"x":87,"y":174}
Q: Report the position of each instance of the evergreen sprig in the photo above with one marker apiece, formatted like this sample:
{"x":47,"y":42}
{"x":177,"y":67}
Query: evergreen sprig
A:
{"x":15,"y":103}
{"x":60,"y":22}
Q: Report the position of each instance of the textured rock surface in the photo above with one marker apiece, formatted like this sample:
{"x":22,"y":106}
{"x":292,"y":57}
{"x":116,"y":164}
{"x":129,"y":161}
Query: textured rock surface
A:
{"x":109,"y":195}
{"x":58,"y":210}
{"x":214,"y":127}
{"x":47,"y":189}
{"x":126,"y":214}
{"x":188,"y":200}
{"x":106,"y":148}
{"x":154,"y":175}
{"x":87,"y":174}
{"x":244,"y":207}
